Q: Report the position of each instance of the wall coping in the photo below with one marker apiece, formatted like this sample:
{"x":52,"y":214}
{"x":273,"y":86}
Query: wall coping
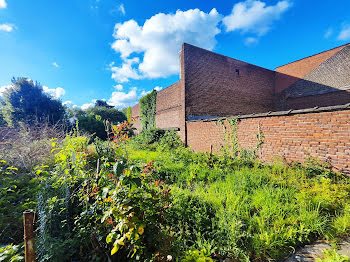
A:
{"x":281,"y":113}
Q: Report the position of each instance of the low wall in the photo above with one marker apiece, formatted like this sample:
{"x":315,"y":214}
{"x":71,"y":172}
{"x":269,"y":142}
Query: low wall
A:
{"x":293,"y":135}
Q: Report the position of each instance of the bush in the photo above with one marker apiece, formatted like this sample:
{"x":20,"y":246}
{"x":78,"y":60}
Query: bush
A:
{"x":170,"y":140}
{"x":147,"y":138}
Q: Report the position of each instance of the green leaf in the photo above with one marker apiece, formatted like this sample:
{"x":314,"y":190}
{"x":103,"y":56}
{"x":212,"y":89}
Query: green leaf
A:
{"x":110,"y":237}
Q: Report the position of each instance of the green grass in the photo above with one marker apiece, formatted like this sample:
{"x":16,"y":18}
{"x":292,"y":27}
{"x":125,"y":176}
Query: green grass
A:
{"x":246,"y":210}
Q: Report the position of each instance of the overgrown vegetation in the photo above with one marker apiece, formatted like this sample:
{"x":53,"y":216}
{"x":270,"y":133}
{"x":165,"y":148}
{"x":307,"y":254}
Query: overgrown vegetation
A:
{"x":148,"y":198}
{"x":148,"y":110}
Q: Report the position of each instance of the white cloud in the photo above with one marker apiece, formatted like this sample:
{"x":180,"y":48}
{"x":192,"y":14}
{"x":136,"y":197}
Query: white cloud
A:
{"x":122,"y":99}
{"x":159,"y":40}
{"x":126,"y":71}
{"x":54,"y":92}
{"x":254,"y":16}
{"x":143,"y":93}
{"x":3,"y":4}
{"x":3,"y":89}
{"x":68,"y":103}
{"x":86,"y":106}
{"x":7,"y":27}
{"x":344,"y":34}
{"x":55,"y":65}
{"x":250,"y":41}
{"x":118,"y":87}
{"x":121,"y":9}
{"x":328,"y":33}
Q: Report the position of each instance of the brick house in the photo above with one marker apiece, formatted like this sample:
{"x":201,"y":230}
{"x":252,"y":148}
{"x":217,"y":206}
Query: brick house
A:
{"x":212,"y":85}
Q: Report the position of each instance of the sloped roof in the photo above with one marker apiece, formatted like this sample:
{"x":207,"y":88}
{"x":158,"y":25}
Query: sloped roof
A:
{"x":290,"y":73}
{"x":331,"y":75}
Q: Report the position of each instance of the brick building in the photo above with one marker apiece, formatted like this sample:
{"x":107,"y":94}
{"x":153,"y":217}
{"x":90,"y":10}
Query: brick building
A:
{"x":212,"y":85}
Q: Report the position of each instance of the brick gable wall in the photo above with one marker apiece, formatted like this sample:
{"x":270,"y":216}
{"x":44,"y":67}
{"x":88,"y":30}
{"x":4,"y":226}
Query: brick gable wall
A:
{"x":169,"y":106}
{"x":214,"y":87}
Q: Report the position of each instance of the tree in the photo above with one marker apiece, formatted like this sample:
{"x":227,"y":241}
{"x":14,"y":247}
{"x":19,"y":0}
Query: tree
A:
{"x":113,"y":115}
{"x":26,"y":102}
{"x":102,"y":103}
{"x":92,"y":119}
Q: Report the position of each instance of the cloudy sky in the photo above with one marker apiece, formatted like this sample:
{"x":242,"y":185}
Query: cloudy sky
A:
{"x":82,"y":50}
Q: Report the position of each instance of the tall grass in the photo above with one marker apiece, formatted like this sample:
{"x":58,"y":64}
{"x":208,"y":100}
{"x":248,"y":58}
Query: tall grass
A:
{"x":249,"y":211}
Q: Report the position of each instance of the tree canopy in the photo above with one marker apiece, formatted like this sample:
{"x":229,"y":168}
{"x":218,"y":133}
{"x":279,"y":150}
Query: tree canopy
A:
{"x":27,"y":102}
{"x":102,"y":103}
{"x":92,"y":119}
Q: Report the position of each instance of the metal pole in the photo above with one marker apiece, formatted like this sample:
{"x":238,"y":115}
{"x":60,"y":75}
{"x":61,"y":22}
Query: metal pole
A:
{"x":28,"y":220}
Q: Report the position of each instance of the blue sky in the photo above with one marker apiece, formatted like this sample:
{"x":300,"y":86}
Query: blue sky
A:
{"x":82,"y":50}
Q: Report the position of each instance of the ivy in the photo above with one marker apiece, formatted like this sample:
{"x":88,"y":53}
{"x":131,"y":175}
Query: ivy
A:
{"x":148,"y":110}
{"x":128,"y":113}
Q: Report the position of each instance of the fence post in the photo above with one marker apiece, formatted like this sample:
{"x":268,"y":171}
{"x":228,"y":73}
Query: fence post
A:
{"x":28,"y":220}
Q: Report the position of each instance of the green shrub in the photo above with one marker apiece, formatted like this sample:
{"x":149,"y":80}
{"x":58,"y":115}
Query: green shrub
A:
{"x":148,"y":138}
{"x":170,"y":140}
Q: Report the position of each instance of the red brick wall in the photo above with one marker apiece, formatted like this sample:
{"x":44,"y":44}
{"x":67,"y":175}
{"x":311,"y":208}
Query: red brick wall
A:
{"x":169,"y":110}
{"x":169,"y":106}
{"x":213,"y":88}
{"x":290,"y":73}
{"x":135,"y":113}
{"x":324,"y":135}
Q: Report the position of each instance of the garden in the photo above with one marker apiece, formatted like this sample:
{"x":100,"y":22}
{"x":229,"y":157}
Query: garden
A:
{"x":146,"y":197}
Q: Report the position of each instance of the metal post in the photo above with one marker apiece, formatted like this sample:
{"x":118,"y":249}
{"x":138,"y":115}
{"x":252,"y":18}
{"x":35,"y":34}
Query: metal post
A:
{"x":28,"y":220}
